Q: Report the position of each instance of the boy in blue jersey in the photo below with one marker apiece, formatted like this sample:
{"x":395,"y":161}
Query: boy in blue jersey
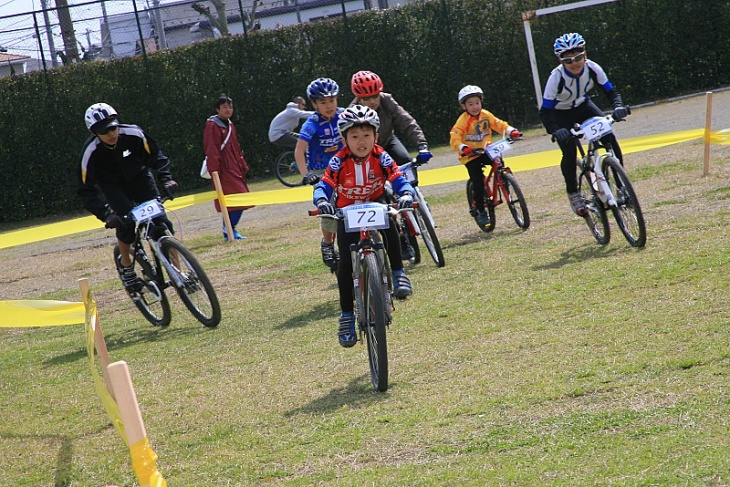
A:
{"x":566,"y":102}
{"x":319,"y":140}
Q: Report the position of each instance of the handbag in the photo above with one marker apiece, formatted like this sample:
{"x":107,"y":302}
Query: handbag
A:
{"x":204,"y":168}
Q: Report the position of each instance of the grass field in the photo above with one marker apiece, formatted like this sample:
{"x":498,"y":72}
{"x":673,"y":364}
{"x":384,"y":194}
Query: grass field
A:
{"x":532,"y":358}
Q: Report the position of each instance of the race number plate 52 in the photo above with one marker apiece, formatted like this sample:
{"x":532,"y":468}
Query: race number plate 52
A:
{"x":596,"y":127}
{"x":367,"y":215}
{"x":147,"y":211}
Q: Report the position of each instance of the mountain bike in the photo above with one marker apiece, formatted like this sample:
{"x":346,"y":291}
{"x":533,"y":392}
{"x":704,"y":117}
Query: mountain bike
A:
{"x":286,"y":170}
{"x":168,"y":255}
{"x":500,"y":186}
{"x":604,"y":184}
{"x":420,"y":222}
{"x":372,"y":280}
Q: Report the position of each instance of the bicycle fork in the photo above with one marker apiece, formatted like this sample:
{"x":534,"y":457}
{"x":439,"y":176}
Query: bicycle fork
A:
{"x":600,"y":184}
{"x":171,"y":271}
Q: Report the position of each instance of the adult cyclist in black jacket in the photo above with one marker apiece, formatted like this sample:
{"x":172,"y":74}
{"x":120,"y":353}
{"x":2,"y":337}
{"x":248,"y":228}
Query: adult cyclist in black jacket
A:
{"x":565,"y":102}
{"x":117,"y":160}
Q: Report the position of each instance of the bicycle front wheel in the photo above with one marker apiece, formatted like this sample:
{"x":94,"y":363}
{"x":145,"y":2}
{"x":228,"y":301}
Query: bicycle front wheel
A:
{"x":375,"y":322}
{"x":151,"y":300}
{"x":516,"y":201}
{"x":428,"y":233}
{"x":196,"y":291}
{"x":285,"y":168}
{"x":487,"y":206}
{"x":627,"y":213}
{"x":597,"y":219}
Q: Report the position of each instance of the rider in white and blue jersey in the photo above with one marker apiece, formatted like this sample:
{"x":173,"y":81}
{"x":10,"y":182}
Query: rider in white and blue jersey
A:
{"x":566,"y":102}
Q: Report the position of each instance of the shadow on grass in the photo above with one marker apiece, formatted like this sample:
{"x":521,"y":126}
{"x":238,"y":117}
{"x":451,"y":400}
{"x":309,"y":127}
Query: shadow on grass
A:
{"x":64,"y":459}
{"x":579,"y":254}
{"x":478,"y":236}
{"x":324,"y":310}
{"x":118,"y":341}
{"x":358,"y":393}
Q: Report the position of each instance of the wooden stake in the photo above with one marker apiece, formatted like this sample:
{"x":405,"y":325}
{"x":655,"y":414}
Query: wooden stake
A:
{"x":99,"y":342}
{"x":222,"y":202}
{"x":708,"y":131}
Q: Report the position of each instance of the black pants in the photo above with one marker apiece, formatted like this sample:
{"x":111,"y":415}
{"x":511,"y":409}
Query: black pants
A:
{"x":344,"y":272}
{"x":476,"y":176}
{"x":566,"y":119}
{"x":397,"y":150}
{"x":123,"y":197}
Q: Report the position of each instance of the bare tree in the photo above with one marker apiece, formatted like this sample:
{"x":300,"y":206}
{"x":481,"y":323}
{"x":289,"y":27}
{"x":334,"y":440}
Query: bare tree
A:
{"x":219,"y":21}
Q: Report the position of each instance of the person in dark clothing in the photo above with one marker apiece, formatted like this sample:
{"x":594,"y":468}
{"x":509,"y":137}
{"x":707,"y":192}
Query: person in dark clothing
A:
{"x":117,"y":161}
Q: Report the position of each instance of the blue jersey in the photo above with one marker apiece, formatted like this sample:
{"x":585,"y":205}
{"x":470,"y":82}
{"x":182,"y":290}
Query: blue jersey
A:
{"x":322,"y":138}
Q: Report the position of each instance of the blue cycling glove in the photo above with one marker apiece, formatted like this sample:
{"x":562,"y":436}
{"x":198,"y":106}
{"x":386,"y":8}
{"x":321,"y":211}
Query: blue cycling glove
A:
{"x":424,"y":155}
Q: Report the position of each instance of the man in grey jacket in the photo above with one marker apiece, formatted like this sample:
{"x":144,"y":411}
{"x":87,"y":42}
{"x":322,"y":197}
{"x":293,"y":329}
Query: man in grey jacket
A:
{"x":368,"y":88}
{"x":281,"y":129}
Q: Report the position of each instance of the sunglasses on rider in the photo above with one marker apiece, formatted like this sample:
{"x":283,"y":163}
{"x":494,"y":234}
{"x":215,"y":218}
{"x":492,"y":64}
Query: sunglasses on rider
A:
{"x":570,"y":60}
{"x":106,"y":130}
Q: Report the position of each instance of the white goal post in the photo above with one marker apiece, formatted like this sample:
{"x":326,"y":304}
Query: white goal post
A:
{"x":528,"y":16}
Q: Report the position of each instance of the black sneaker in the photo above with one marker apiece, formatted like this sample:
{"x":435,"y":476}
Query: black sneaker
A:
{"x":402,"y":285}
{"x":346,"y":333}
{"x":130,"y":279}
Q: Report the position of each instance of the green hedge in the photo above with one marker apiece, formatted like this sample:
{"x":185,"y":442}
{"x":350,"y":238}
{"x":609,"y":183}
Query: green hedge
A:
{"x":425,"y":52}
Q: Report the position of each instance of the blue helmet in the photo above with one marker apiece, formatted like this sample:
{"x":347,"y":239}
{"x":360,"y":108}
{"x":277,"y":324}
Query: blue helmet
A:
{"x":568,"y":42}
{"x":322,"y":88}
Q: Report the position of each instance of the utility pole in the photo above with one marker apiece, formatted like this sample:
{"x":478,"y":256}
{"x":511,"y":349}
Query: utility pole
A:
{"x":49,"y":34}
{"x":106,"y":34}
{"x":159,"y":26}
{"x":67,"y":31}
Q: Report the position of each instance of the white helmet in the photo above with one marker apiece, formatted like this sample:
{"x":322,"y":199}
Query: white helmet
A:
{"x":100,"y":116}
{"x":470,"y":90}
{"x":357,"y":115}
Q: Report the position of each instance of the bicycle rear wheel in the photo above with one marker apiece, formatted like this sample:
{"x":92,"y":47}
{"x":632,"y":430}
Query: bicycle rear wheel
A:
{"x":375,"y":322}
{"x":285,"y":168}
{"x":627,"y":213}
{"x":428,"y":233}
{"x":196,"y":291}
{"x":597,"y":220}
{"x":151,"y":300}
{"x":487,"y":206}
{"x":516,"y":201}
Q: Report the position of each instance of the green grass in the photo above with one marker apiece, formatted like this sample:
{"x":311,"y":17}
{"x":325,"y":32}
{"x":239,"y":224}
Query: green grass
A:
{"x":532,"y":358}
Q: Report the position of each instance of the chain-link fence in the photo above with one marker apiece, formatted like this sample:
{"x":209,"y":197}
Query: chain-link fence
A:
{"x":106,"y":29}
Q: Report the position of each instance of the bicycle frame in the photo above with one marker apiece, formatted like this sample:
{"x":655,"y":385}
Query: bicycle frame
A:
{"x":493,"y":182}
{"x":184,"y":272}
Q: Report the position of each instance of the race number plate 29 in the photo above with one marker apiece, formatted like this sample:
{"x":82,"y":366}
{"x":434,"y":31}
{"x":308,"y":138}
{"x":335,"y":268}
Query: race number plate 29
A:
{"x":496,"y":149}
{"x":595,"y":128}
{"x":147,"y":211}
{"x":367,"y":215}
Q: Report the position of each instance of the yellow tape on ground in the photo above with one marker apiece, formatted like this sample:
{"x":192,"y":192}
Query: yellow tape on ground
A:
{"x":304,"y":193}
{"x":24,"y":314}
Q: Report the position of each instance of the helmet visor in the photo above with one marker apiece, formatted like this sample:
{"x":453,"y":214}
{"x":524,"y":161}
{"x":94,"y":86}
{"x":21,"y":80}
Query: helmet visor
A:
{"x":103,"y":127}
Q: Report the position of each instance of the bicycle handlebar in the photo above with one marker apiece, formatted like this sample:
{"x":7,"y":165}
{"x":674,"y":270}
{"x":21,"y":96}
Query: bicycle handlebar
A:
{"x":392,"y":209}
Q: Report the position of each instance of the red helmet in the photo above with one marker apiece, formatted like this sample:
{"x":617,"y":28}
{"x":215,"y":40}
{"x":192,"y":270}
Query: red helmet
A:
{"x":365,"y":84}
